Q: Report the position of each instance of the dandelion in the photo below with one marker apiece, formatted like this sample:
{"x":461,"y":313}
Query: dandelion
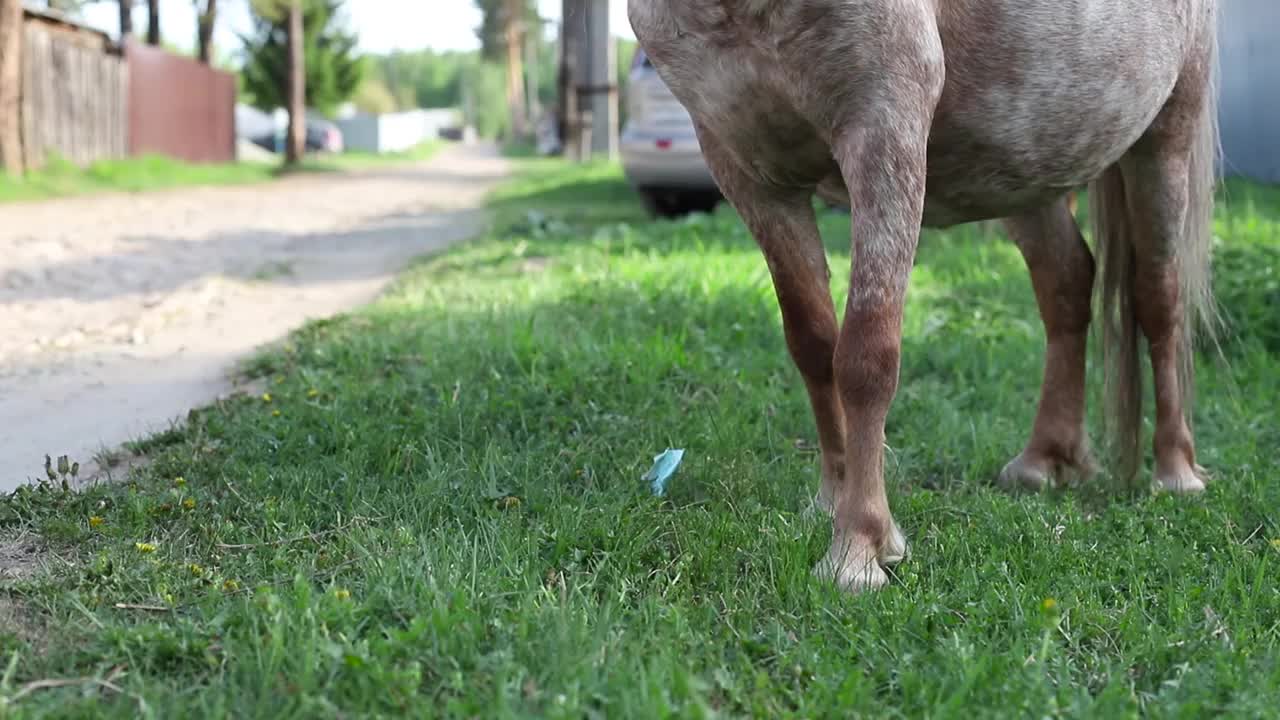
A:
{"x":189,"y":503}
{"x":95,"y":521}
{"x":509,"y":502}
{"x":313,"y":393}
{"x":266,"y":397}
{"x":1275,"y":543}
{"x":275,"y":413}
{"x":230,"y":585}
{"x":195,"y":569}
{"x":179,"y":481}
{"x":342,"y":594}
{"x":1049,"y":604}
{"x":144,"y":548}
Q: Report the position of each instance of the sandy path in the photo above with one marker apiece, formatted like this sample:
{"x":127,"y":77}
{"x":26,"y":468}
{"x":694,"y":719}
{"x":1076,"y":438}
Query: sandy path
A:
{"x":119,"y":313}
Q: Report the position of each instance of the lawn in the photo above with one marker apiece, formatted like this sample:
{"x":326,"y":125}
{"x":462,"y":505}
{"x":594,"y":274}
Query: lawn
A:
{"x":434,"y":506}
{"x":153,"y":172}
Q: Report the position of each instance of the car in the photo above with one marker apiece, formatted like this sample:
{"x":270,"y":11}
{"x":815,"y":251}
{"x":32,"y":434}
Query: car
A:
{"x":661,"y":156}
{"x":266,"y":130}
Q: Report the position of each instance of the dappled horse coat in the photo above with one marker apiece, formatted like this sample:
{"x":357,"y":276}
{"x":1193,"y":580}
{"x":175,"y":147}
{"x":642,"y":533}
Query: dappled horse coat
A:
{"x":938,"y":112}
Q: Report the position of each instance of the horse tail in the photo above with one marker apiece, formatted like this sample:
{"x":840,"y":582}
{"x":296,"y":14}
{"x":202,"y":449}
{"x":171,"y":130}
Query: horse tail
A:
{"x":1113,"y":231}
{"x":1113,"y":234}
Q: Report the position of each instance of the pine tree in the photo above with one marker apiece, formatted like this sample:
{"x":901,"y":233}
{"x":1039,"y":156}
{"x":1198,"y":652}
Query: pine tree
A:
{"x":333,"y":69}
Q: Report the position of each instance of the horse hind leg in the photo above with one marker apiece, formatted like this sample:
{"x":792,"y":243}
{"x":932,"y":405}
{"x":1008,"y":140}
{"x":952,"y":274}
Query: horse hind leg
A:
{"x":1062,"y":271}
{"x":1166,"y":184}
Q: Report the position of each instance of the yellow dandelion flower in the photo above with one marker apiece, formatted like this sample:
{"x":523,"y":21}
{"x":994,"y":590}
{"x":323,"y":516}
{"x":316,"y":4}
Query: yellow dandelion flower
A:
{"x":509,"y":502}
{"x":95,"y":521}
{"x":189,"y":503}
{"x":313,"y":393}
{"x":266,"y":397}
{"x":1049,"y":604}
{"x":144,"y":548}
{"x":1275,"y":543}
{"x":230,"y":585}
{"x":179,"y":481}
{"x":195,"y":569}
{"x":275,"y":413}
{"x":342,"y":594}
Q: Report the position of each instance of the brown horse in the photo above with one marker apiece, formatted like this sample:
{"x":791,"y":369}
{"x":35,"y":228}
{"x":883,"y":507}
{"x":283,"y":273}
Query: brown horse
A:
{"x":939,"y":112}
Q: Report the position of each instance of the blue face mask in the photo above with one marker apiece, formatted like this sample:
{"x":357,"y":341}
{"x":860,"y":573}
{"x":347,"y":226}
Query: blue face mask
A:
{"x":664,"y":466}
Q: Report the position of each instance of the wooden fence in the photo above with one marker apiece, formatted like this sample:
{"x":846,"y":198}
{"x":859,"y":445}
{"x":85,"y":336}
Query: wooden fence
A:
{"x":74,"y":97}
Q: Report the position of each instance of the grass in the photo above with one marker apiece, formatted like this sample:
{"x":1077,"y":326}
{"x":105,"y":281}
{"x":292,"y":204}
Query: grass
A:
{"x":434,"y":506}
{"x":61,"y":178}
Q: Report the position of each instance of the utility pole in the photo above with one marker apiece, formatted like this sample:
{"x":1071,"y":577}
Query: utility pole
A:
{"x":599,"y":92}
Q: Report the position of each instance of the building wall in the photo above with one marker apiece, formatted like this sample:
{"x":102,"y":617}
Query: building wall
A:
{"x":1249,"y":113}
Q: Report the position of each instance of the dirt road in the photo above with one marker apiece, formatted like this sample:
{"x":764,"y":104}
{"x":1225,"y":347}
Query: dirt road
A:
{"x":119,"y":313}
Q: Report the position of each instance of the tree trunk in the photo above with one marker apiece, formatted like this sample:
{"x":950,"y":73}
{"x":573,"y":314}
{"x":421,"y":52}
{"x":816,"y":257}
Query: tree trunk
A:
{"x":153,"y":22}
{"x":515,"y":67}
{"x":11,"y":86}
{"x":126,"y":19}
{"x":295,"y":143}
{"x":568,"y":81}
{"x":204,"y":32}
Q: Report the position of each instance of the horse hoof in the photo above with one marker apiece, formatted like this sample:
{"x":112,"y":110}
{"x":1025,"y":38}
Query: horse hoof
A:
{"x":1186,"y":481}
{"x":1022,"y":475}
{"x":896,"y":548}
{"x":853,"y":566}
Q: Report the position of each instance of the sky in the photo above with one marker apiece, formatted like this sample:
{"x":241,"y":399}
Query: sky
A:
{"x":383,"y":25}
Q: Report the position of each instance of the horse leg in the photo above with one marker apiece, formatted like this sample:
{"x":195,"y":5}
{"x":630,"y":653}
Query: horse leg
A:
{"x":1062,"y":275}
{"x":882,"y":159}
{"x":1157,"y":187}
{"x":1168,"y":182}
{"x":783,"y":223}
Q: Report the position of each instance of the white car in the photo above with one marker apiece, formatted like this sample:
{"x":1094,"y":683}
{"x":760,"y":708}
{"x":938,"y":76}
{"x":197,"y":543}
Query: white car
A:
{"x":660,"y":152}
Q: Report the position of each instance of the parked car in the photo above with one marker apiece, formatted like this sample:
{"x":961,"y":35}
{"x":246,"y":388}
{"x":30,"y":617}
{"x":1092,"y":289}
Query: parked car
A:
{"x":660,"y":152}
{"x":266,"y":130}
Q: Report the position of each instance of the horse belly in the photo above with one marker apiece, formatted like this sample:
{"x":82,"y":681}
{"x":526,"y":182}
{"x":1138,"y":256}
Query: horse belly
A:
{"x":1070,"y":88}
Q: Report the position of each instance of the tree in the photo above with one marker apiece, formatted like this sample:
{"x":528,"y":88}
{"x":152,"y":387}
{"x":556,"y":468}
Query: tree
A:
{"x":10,"y":86}
{"x":297,"y":85}
{"x":153,"y":22}
{"x":333,"y":69}
{"x":374,"y":98}
{"x":504,"y":29}
{"x":206,"y":17}
{"x":126,"y":19}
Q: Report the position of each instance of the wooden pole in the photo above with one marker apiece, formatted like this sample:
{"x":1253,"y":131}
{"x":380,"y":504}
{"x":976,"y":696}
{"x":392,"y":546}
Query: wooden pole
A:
{"x":296,"y":141}
{"x":11,"y":86}
{"x":570,"y":121}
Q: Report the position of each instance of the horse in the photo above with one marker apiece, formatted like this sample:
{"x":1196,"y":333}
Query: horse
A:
{"x":934,"y":113}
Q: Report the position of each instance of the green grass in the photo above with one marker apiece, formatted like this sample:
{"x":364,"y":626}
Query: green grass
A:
{"x":61,"y":178}
{"x":436,"y":508}
{"x":354,"y":160}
